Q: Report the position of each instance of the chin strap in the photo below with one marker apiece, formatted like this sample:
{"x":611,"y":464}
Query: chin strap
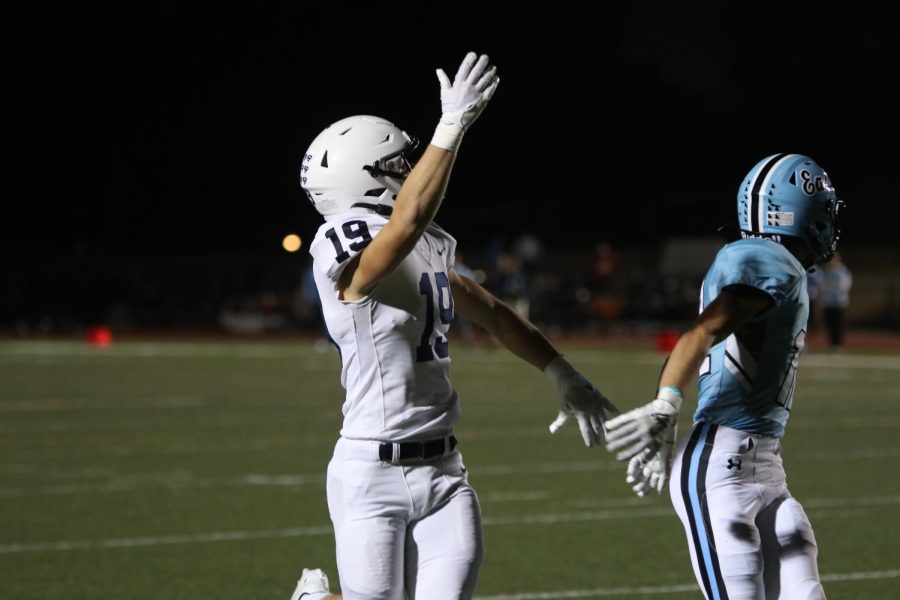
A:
{"x":381,"y":209}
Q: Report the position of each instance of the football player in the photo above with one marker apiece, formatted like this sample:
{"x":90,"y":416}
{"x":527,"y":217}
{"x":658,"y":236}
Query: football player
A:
{"x":406,"y":520}
{"x":748,"y":537}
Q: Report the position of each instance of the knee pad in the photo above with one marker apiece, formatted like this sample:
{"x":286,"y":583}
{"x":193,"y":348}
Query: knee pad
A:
{"x":793,"y":530}
{"x":805,"y":590}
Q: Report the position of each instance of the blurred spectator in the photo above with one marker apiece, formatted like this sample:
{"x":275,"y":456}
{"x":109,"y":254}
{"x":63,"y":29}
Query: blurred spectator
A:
{"x":606,"y":261}
{"x":812,"y":289}
{"x":460,"y":266}
{"x":495,"y":247}
{"x":830,"y":286}
{"x":308,"y":289}
{"x":529,"y":249}
{"x":510,"y":283}
{"x":311,"y":296}
{"x":462,"y":325}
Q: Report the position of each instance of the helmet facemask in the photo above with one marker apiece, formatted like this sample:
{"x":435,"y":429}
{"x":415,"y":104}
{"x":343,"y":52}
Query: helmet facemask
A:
{"x":398,"y":166}
{"x":823,"y":235}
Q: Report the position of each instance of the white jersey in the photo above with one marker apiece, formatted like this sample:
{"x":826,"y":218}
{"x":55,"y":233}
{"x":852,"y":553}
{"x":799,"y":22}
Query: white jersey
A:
{"x":395,"y":363}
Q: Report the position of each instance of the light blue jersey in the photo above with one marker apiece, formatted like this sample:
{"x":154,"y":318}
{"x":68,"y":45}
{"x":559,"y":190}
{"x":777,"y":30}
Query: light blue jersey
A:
{"x":747,"y":381}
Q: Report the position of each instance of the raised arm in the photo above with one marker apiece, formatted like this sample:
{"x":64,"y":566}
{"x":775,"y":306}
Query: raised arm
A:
{"x":462,"y":100}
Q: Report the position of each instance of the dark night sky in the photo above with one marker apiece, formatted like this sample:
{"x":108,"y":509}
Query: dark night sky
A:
{"x":167,"y":130}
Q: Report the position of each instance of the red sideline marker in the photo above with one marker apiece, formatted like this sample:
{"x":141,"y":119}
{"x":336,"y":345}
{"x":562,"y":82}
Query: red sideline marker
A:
{"x":666,"y":340}
{"x":98,"y":335}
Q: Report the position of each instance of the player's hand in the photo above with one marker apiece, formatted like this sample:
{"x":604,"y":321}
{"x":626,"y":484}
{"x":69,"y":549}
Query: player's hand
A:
{"x":463,"y":99}
{"x":645,"y":427}
{"x":650,"y":470}
{"x":579,"y":399}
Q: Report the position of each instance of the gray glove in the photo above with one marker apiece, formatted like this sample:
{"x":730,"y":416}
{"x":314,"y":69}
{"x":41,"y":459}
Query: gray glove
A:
{"x":580,"y":399}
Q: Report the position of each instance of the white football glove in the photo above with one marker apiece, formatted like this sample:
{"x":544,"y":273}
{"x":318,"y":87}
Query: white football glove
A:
{"x":650,"y":470}
{"x":645,"y":427}
{"x":463,"y":99}
{"x":579,"y":399}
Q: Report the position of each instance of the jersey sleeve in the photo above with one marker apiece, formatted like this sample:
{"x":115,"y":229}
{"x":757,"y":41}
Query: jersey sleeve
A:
{"x":337,"y":242}
{"x":448,"y":241}
{"x":764,"y":266}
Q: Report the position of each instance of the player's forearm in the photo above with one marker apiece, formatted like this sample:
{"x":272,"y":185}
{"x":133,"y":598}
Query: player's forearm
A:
{"x":417,"y":203}
{"x":521,"y":337}
{"x":723,"y":316}
{"x":686,"y":358}
{"x":422,"y":194}
{"x":516,"y":333}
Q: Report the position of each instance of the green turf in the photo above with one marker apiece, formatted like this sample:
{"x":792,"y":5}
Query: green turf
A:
{"x":196,"y":470}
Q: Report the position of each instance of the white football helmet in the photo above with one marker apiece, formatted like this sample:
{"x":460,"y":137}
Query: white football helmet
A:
{"x":357,"y":163}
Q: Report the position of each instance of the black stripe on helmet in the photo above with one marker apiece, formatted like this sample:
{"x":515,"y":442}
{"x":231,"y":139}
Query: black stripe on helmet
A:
{"x":756,"y":190}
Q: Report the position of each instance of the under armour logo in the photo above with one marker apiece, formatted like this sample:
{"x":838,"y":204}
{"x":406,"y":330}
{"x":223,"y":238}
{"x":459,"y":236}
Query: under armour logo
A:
{"x":734,"y":463}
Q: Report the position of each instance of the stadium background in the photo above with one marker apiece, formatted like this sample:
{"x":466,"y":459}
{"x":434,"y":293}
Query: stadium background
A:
{"x":152,"y":151}
{"x":149,"y":177}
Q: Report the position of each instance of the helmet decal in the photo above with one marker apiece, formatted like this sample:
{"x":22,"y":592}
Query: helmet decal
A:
{"x":780,"y":218}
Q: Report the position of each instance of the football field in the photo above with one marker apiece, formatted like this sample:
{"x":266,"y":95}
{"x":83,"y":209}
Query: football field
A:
{"x":185,"y":470}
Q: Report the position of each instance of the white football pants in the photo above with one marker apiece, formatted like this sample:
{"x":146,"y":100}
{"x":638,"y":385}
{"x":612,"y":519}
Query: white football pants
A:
{"x":748,"y":537}
{"x":412,"y":529}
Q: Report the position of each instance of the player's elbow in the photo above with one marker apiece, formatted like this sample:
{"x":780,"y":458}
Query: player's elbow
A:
{"x":411,"y":221}
{"x":506,"y":321}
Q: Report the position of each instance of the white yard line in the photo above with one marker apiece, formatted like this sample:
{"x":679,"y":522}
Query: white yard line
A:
{"x":181,"y":480}
{"x":216,"y":536}
{"x":613,"y":514}
{"x":523,"y":496}
{"x":170,"y":483}
{"x":597,"y":592}
{"x":82,"y":404}
{"x":671,"y":589}
{"x":287,"y":350}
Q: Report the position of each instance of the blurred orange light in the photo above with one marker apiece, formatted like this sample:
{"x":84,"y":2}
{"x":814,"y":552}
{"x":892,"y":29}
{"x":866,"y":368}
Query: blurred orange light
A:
{"x":291,"y":242}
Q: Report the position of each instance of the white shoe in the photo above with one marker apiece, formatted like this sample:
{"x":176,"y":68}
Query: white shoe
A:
{"x":311,"y":581}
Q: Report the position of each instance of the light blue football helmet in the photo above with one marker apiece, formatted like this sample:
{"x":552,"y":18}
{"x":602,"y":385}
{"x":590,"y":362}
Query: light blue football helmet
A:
{"x":791,"y":195}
